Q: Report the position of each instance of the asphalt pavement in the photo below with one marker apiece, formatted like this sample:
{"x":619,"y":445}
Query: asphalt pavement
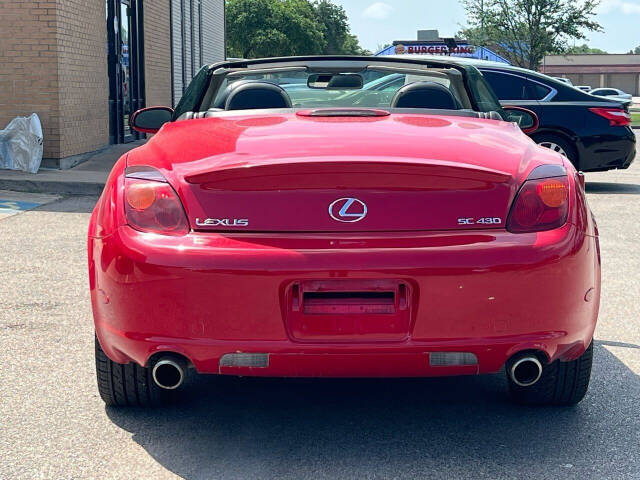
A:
{"x":54,"y":425}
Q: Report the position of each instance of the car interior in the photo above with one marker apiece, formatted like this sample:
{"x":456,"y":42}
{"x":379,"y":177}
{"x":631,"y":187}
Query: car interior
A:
{"x":365,"y":88}
{"x":414,"y":90}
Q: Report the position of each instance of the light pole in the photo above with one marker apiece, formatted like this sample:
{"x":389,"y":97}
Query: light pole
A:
{"x":482,"y":29}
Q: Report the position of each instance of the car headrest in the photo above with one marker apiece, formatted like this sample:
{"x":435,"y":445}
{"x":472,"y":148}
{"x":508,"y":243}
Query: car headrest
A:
{"x":255,"y":95}
{"x":425,"y":95}
{"x":222,"y":99}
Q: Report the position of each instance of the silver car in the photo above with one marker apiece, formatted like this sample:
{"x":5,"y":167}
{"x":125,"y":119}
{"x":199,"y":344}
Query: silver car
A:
{"x":612,"y":94}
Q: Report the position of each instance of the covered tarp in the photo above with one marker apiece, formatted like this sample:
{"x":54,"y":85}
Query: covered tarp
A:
{"x":21,"y":144}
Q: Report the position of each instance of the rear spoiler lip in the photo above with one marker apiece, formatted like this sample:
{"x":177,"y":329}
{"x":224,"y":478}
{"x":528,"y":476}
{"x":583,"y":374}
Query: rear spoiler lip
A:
{"x":230,"y":170}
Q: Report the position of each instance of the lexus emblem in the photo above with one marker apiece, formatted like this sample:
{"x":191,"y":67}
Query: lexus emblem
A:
{"x":348,"y":210}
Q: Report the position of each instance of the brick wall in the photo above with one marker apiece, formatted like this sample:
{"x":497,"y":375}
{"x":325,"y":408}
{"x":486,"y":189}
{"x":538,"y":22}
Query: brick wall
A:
{"x":53,"y":57}
{"x":157,"y":53}
{"x":82,"y":72}
{"x":29,"y":71}
{"x":53,"y":61}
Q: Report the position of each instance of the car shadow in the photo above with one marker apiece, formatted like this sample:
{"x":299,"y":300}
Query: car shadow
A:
{"x":606,"y":187}
{"x":410,"y":428}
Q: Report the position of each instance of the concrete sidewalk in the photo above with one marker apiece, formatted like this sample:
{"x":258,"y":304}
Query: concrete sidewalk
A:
{"x":88,"y":178}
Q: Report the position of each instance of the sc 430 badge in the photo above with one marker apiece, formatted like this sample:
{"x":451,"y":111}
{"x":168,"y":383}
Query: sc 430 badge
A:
{"x":223,"y":222}
{"x":480,"y":221}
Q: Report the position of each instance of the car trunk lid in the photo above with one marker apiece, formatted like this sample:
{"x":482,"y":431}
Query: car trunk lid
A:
{"x":258,"y":172}
{"x":351,"y":194}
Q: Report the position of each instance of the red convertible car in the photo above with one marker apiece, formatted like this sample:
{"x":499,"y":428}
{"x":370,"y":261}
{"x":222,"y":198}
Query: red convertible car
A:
{"x":287,"y":221}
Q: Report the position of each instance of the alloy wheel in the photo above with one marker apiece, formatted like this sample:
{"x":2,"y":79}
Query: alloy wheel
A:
{"x":554,"y":146}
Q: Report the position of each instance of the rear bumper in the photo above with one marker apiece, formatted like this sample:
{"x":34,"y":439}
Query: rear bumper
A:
{"x":488,"y":293}
{"x":600,"y":152}
{"x":630,"y":158}
{"x":287,"y":359}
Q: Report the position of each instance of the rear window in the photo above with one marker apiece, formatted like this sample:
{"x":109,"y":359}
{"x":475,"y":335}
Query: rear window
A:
{"x":513,"y":87}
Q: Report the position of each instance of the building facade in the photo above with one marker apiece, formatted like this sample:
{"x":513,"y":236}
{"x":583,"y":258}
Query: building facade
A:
{"x":194,"y":42}
{"x":84,"y":66}
{"x":620,"y":71}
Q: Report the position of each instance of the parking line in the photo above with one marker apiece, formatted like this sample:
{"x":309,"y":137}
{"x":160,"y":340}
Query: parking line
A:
{"x":14,"y":203}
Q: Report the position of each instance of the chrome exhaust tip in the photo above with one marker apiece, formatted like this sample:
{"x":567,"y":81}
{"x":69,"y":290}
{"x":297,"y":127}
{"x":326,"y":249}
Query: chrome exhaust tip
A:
{"x":526,"y":371}
{"x":168,"y":373}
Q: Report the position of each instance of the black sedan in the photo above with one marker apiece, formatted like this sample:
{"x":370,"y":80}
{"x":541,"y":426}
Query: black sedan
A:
{"x":593,"y":132}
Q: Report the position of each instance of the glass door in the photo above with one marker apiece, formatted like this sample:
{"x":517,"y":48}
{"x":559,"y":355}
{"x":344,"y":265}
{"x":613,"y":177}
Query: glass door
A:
{"x":125,"y":66}
{"x":126,"y":80}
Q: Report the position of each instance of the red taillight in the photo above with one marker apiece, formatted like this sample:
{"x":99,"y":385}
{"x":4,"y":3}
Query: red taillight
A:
{"x":617,"y":117}
{"x":152,"y":206}
{"x":541,"y":204}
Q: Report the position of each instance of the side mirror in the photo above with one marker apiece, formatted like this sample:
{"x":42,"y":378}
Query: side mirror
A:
{"x":524,"y":118}
{"x":150,"y":120}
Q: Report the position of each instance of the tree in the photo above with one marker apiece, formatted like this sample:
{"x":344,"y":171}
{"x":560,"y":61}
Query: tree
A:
{"x":524,"y":31}
{"x":584,"y":48}
{"x":268,"y":28}
{"x":335,"y":27}
{"x":351,"y":46}
{"x":635,"y":51}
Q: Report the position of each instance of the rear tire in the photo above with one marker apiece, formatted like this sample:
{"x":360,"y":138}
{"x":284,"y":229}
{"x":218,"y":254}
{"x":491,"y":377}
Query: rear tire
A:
{"x":561,"y":383}
{"x":127,"y":385}
{"x":558,"y":144}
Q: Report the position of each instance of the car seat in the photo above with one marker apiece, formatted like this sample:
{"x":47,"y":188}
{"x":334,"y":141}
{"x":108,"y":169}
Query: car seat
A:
{"x":425,"y":95}
{"x":256,"y":95}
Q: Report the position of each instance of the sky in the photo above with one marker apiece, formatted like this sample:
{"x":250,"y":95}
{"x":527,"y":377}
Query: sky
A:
{"x":377,"y":22}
